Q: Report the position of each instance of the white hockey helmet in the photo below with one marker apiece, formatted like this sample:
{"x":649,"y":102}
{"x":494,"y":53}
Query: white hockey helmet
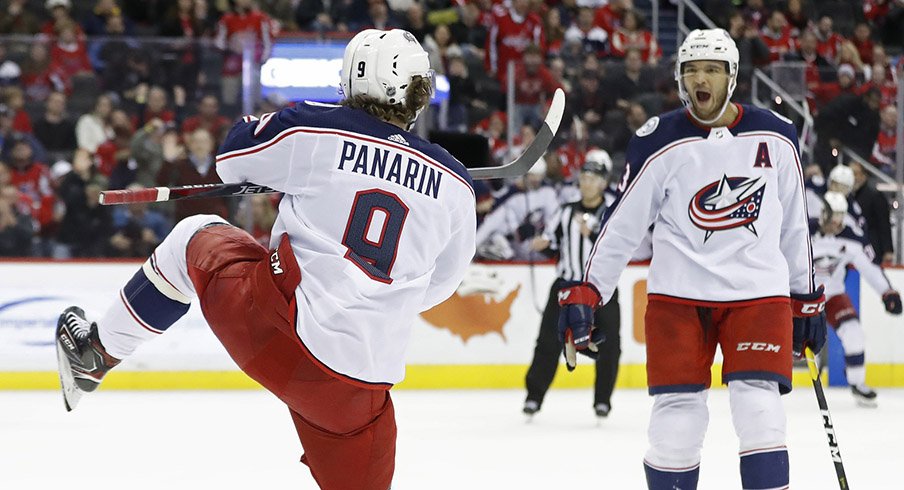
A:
{"x":381,"y":64}
{"x":710,"y":45}
{"x":597,"y":161}
{"x":834,"y":208}
{"x":843,"y":179}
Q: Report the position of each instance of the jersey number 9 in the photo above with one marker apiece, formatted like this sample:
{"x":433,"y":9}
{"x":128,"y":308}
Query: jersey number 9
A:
{"x":373,"y":231}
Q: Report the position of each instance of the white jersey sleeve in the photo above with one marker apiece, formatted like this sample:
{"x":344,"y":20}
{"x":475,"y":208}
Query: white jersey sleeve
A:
{"x":795,"y":234}
{"x":869,"y":271}
{"x":627,"y":220}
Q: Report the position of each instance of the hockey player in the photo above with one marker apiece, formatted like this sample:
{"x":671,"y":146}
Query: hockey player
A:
{"x":507,"y":231}
{"x":731,"y":263}
{"x":835,"y":248}
{"x":376,"y":225}
{"x":576,"y":227}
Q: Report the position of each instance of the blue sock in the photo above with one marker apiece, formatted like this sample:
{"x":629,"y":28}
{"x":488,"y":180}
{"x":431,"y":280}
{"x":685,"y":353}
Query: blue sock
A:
{"x":765,"y":470}
{"x":151,"y":308}
{"x":671,"y":480}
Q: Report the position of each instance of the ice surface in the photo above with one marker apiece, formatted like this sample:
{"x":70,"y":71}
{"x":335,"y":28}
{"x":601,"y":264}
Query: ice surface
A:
{"x":447,"y":440}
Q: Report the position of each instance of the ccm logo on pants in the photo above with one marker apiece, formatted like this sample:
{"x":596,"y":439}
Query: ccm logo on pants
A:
{"x":764,"y":346}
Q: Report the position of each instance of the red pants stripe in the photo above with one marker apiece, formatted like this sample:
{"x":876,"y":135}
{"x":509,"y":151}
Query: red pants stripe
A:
{"x":348,"y":432}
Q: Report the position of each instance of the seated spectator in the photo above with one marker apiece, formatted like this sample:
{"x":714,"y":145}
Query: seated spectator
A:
{"x":14,"y":98}
{"x":33,"y":181}
{"x":469,"y":32}
{"x":554,"y":31}
{"x":610,"y":16}
{"x":244,"y":23}
{"x":534,"y":86}
{"x":8,"y":135}
{"x":68,"y":54}
{"x":55,"y":130}
{"x":818,"y":68}
{"x":513,"y":29}
{"x":152,"y":104}
{"x":18,"y":20}
{"x":846,"y":84}
{"x":632,"y":82}
{"x":196,"y":166}
{"x":592,"y":38}
{"x":829,"y":41}
{"x":113,"y":155}
{"x":60,"y":14}
{"x":848,"y":54}
{"x":209,"y":118}
{"x":797,"y":17}
{"x":888,"y":87}
{"x":93,"y":128}
{"x":416,"y":22}
{"x":635,"y":117}
{"x":633,"y":35}
{"x":440,"y":46}
{"x":38,"y":76}
{"x":463,"y":97}
{"x":379,"y":16}
{"x":86,"y":227}
{"x":777,"y":36}
{"x":752,"y":52}
{"x":863,"y":42}
{"x":95,"y":23}
{"x":884,"y":154}
{"x":16,"y":226}
{"x":138,"y":229}
{"x":10,"y":71}
{"x":588,"y":102}
{"x":152,"y":144}
{"x":184,"y":19}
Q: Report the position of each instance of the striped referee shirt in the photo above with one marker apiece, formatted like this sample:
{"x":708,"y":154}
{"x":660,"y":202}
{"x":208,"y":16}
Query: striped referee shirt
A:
{"x":573,"y":247}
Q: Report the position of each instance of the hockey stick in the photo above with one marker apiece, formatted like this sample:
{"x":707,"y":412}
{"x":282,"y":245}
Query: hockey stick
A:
{"x":515,"y":168}
{"x":827,"y":421}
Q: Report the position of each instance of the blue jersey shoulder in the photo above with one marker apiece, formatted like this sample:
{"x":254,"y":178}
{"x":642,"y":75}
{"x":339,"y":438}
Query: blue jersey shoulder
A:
{"x":756,"y":119}
{"x":320,"y":117}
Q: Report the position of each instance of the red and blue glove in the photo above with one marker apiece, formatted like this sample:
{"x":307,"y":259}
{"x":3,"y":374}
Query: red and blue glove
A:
{"x":578,"y":302}
{"x":892,"y":302}
{"x":809,"y":318}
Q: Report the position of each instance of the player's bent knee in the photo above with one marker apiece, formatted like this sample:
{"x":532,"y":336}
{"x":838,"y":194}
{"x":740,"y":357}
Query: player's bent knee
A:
{"x":677,"y":427}
{"x":852,"y":337}
{"x":757,"y":413}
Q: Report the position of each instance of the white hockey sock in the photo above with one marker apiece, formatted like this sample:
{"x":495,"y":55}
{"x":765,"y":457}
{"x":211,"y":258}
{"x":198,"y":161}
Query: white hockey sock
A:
{"x":157,"y":295}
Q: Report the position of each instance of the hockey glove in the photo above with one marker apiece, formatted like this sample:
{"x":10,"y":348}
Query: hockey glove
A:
{"x":578,"y":302}
{"x":892,"y":302}
{"x":809,"y":318}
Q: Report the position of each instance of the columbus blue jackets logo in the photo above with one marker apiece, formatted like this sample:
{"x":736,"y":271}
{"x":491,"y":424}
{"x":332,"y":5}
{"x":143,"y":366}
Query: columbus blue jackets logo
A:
{"x":732,"y":202}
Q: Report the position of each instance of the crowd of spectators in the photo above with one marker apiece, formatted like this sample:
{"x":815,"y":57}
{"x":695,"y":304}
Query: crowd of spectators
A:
{"x":110,"y":94}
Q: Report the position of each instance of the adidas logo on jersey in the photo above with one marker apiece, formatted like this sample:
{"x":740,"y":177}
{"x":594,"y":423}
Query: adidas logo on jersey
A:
{"x":398,"y":138}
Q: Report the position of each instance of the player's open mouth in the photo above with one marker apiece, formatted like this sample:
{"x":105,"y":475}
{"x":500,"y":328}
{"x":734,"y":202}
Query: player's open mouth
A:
{"x":703,"y":97}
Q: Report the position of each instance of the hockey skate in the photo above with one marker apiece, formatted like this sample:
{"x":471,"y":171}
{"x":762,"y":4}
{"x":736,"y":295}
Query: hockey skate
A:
{"x":602,"y":410}
{"x":82,"y":360}
{"x":531,"y":407}
{"x":864,"y":396}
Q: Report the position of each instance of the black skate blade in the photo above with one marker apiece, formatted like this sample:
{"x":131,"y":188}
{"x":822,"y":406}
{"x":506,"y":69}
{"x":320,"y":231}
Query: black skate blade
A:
{"x":71,"y":393}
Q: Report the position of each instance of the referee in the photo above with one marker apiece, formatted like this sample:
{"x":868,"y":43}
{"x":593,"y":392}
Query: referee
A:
{"x":577,"y":227}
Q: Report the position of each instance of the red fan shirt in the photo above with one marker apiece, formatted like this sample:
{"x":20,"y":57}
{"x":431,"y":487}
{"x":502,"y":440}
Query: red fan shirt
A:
{"x":509,"y":35}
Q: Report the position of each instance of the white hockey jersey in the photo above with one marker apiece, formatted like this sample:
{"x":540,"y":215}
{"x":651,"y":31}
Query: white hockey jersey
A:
{"x":832,"y":254}
{"x":382,"y":224}
{"x":728,"y":207}
{"x":533,"y":211}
